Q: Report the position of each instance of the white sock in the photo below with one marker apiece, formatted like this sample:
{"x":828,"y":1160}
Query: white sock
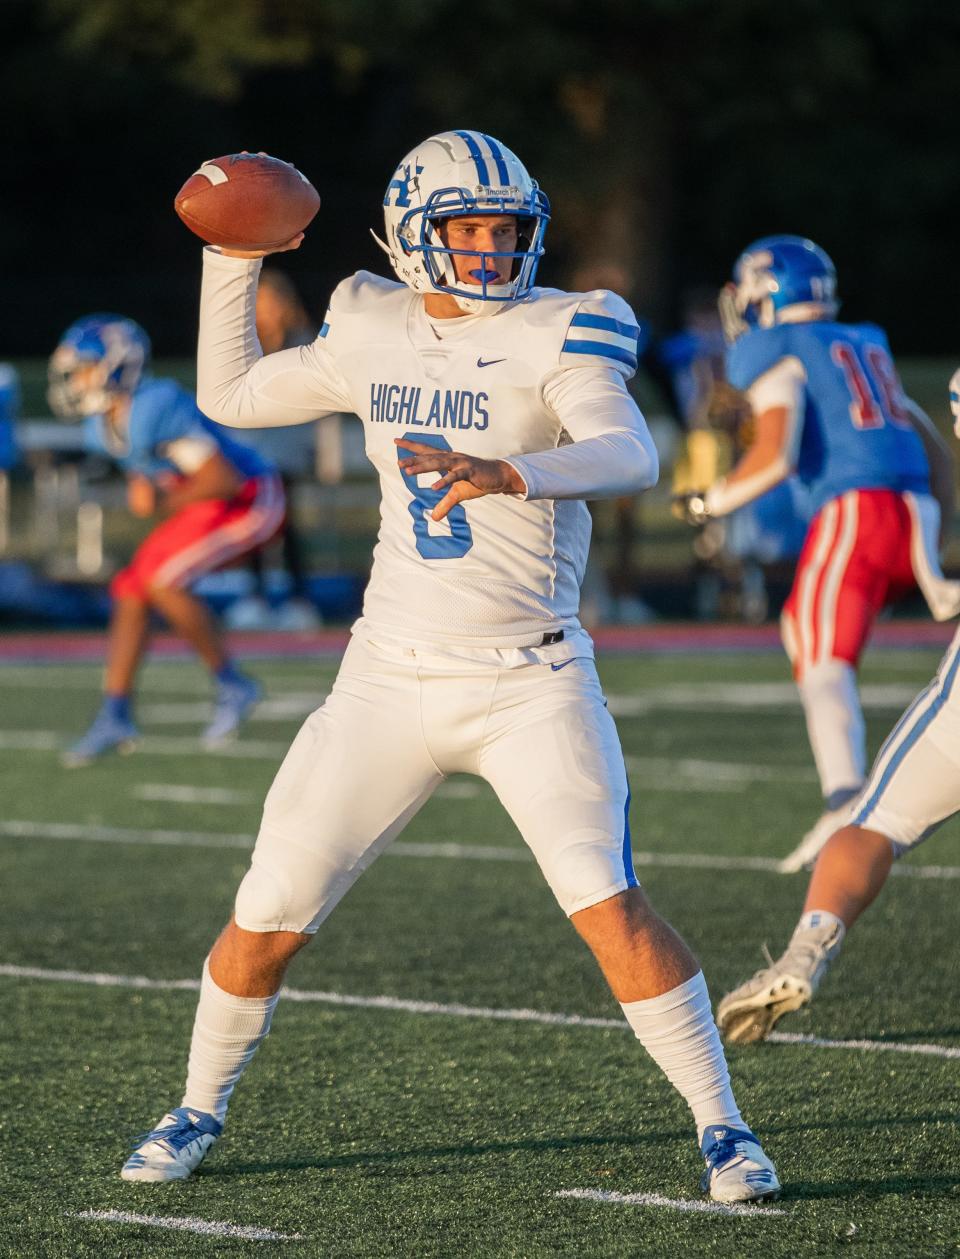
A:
{"x":226,"y":1033}
{"x":821,"y":927}
{"x":831,"y":704}
{"x":678,"y":1032}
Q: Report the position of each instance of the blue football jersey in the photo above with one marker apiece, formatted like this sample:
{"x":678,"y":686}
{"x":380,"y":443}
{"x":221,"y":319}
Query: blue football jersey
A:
{"x":856,"y":432}
{"x":161,"y":413}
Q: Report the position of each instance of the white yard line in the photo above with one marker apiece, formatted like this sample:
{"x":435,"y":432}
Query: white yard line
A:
{"x":176,"y":793}
{"x":187,"y":1224}
{"x":274,"y":708}
{"x":13,"y":828}
{"x":656,"y":773}
{"x":151,"y":745}
{"x":682,"y":771}
{"x":99,"y":979}
{"x":184,"y":793}
{"x":747,"y":696}
{"x":613,"y":1198}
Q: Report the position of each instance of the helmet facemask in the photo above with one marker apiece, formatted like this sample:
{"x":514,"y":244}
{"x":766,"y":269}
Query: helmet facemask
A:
{"x":780,"y":279}
{"x":98,"y":360}
{"x":416,"y":210}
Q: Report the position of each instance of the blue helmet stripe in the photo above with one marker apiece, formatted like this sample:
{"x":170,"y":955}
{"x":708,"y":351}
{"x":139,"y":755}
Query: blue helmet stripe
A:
{"x":602,"y":349}
{"x":483,"y":175}
{"x":325,"y":328}
{"x":497,"y":153}
{"x":605,"y":324}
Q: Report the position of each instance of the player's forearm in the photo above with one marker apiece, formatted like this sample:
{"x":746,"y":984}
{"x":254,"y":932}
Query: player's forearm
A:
{"x":607,"y":466}
{"x":236,"y":385}
{"x":746,"y":483}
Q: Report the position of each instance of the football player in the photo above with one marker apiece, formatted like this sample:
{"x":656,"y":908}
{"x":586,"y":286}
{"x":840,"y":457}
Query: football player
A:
{"x":220,"y":500}
{"x":828,"y":405}
{"x":491,"y":410}
{"x":913,"y":788}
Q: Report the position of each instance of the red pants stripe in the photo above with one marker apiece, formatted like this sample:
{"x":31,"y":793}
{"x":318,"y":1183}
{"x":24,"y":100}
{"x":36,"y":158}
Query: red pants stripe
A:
{"x":202,"y":537}
{"x":855,"y":561}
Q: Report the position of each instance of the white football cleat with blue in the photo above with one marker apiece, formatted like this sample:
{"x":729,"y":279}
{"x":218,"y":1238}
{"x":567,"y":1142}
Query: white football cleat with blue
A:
{"x":175,"y":1148}
{"x":231,"y":705}
{"x":737,"y":1168}
{"x":108,"y":733}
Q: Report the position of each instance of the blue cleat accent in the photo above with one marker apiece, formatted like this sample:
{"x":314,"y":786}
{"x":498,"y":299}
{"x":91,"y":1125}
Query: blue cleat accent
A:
{"x":234,"y":700}
{"x":737,"y":1168}
{"x":108,"y":733}
{"x":175,"y":1148}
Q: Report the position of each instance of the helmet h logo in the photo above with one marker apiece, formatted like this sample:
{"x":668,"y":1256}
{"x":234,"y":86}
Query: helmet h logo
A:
{"x":402,"y":186}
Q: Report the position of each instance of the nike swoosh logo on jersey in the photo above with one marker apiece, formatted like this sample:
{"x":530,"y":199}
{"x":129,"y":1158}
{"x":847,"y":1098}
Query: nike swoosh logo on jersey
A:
{"x":562,"y":665}
{"x":489,"y":362}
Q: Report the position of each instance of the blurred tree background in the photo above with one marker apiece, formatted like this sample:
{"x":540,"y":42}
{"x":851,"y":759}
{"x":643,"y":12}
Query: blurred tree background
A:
{"x":667,"y":133}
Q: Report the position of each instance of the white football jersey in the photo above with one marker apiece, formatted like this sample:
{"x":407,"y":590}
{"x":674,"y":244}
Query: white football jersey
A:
{"x":541,"y":384}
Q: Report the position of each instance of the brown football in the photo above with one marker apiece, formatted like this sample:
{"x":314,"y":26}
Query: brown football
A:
{"x":247,"y":201}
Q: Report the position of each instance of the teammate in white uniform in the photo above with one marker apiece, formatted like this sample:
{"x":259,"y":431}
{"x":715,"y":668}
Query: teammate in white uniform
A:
{"x":913,"y":788}
{"x":491,"y":410}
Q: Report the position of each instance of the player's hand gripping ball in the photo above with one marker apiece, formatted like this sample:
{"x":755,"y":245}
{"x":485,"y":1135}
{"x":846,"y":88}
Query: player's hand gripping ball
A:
{"x":247,"y":201}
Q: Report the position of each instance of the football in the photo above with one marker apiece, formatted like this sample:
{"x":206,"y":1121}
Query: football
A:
{"x":247,"y":201}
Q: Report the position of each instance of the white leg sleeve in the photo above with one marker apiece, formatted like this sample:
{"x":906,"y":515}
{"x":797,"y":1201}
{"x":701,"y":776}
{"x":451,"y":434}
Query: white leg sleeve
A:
{"x":678,"y":1032}
{"x":226,"y":1034}
{"x":835,"y":726}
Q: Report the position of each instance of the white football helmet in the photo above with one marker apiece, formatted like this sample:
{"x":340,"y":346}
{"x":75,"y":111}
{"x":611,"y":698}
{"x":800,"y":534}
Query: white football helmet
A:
{"x":955,"y":400}
{"x":451,"y":175}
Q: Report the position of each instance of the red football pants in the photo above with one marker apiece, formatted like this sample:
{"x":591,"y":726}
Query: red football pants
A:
{"x":202,"y":537}
{"x":855,"y":562}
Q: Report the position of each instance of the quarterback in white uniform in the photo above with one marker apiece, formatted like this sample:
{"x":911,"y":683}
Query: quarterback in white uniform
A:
{"x":912,"y":789}
{"x":491,"y":410}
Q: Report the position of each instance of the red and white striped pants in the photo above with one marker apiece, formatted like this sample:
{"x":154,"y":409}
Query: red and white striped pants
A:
{"x":856,"y":560}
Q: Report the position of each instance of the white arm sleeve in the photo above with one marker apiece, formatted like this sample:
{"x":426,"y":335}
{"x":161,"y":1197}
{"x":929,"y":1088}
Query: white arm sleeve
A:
{"x":781,"y":386}
{"x":236,"y":384}
{"x":612,"y":452}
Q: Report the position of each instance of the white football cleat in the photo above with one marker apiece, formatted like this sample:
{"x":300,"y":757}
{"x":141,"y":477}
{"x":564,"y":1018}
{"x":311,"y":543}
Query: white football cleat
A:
{"x":750,"y":1012}
{"x":175,"y":1148}
{"x":737,"y":1168}
{"x":807,"y":851}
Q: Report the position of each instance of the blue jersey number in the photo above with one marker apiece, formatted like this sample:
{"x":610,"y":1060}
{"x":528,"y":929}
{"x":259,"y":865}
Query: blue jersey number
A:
{"x":446,"y":546}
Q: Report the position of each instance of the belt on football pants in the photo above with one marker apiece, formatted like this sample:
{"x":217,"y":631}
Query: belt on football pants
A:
{"x":555,"y":636}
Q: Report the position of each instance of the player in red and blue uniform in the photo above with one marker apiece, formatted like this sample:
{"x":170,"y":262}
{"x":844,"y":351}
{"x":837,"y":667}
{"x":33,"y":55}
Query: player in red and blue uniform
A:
{"x":829,"y":406}
{"x":221,"y":501}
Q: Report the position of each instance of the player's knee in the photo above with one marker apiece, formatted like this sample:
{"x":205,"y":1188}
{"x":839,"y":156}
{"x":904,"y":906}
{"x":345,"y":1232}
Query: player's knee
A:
{"x":587,"y":867}
{"x":288,"y":888}
{"x":267,"y":901}
{"x":126,"y":585}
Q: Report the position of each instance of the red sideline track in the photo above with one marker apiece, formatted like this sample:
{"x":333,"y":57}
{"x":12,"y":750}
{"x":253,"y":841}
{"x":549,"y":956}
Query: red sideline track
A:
{"x":57,"y":648}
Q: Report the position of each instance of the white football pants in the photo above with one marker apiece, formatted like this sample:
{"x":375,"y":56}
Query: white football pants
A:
{"x":396,"y":723}
{"x":914,"y":784}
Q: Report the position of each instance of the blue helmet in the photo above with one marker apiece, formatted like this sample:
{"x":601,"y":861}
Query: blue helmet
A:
{"x":778,"y":279}
{"x":98,"y":357}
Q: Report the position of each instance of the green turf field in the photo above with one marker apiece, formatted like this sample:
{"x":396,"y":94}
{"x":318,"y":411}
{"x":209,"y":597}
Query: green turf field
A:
{"x":369,"y":1130}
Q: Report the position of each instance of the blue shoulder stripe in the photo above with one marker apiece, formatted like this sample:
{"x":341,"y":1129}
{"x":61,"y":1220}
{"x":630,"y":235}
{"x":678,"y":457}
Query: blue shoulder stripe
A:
{"x":605,"y":324}
{"x":483,"y":175}
{"x":502,"y":173}
{"x":325,"y":328}
{"x":602,"y":349}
